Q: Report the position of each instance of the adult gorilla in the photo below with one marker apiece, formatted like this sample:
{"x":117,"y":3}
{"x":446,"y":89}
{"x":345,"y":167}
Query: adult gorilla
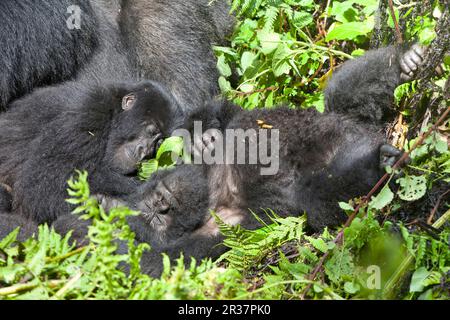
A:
{"x":117,"y":40}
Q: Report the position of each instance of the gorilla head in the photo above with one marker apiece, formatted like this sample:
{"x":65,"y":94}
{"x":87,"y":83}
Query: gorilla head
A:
{"x":137,"y":131}
{"x":105,"y":130}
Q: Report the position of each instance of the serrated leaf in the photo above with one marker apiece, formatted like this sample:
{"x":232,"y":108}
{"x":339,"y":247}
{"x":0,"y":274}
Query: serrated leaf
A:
{"x":223,"y":66}
{"x":302,"y":19}
{"x":319,"y":244}
{"x":247,"y":60}
{"x":269,"y":41}
{"x":280,"y":64}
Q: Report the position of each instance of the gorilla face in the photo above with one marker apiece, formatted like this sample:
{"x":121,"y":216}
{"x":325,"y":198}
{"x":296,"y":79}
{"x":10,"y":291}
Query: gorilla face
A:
{"x":174,"y":203}
{"x":147,"y":115}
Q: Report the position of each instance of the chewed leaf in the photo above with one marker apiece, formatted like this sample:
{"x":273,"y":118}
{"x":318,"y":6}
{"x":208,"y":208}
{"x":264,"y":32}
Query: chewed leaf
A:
{"x":173,"y":145}
{"x":412,"y":187}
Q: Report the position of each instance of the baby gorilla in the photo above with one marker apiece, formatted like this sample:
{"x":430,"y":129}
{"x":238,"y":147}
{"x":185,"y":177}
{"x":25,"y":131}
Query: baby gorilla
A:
{"x":106,"y":131}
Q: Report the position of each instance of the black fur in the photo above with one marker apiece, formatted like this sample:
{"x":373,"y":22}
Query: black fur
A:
{"x":75,"y":127}
{"x":119,"y":40}
{"x":5,"y":198}
{"x":37,"y":48}
{"x":172,"y":44}
{"x":364,"y":87}
{"x":324,"y":159}
{"x":9,"y":222}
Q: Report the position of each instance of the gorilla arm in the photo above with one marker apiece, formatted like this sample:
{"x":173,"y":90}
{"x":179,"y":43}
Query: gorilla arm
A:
{"x":364,"y":87}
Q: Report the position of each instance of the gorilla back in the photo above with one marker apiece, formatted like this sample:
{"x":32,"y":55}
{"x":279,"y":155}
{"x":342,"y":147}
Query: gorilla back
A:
{"x":171,"y":42}
{"x":38,"y":48}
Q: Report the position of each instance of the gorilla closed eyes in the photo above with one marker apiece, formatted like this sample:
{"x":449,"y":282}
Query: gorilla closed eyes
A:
{"x":104,"y":130}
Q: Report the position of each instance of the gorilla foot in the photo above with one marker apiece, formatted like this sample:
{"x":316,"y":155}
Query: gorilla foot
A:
{"x":411,"y":61}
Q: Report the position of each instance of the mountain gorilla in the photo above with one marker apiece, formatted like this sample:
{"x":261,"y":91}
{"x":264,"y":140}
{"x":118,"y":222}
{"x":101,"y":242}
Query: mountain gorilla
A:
{"x":118,"y":40}
{"x":324,"y":159}
{"x":104,"y":130}
{"x":37,"y":46}
{"x":170,"y":42}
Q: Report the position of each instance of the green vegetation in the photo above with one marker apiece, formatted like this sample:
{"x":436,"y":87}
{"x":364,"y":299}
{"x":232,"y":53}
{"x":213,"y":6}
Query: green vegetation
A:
{"x":283,"y":51}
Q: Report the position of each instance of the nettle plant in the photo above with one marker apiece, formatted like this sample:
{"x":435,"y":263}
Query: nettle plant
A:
{"x":281,"y":52}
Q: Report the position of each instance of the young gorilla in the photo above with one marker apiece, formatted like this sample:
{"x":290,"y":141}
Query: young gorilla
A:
{"x":324,"y":159}
{"x":104,"y":130}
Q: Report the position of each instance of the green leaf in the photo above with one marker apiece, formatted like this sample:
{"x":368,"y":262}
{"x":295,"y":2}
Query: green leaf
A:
{"x":417,"y":279}
{"x":339,"y":265}
{"x":412,"y":187}
{"x":426,"y":36}
{"x":247,"y":87}
{"x":173,"y":145}
{"x":269,"y":41}
{"x":319,"y":244}
{"x":349,"y":31}
{"x":223,"y":66}
{"x":148,"y":168}
{"x":317,"y":101}
{"x":351,"y":287}
{"x":280,"y":64}
{"x":224,"y":85}
{"x":358,"y":52}
{"x":382,"y":199}
{"x":302,"y":19}
{"x":247,"y":60}
{"x":345,"y":206}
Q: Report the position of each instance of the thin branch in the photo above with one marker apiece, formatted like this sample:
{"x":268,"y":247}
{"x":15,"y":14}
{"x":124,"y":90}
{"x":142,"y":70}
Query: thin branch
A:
{"x":340,"y":235}
{"x":436,"y":207}
{"x":394,"y":18}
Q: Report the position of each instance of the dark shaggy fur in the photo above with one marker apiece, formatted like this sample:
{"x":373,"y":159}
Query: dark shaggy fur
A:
{"x":37,"y":48}
{"x":324,"y":159}
{"x":75,"y":127}
{"x":172,"y":44}
{"x":9,"y":222}
{"x":5,"y":198}
{"x":119,"y":40}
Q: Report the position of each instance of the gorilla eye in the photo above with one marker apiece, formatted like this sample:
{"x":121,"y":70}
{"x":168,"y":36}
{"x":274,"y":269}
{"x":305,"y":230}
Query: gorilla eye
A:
{"x":128,"y":101}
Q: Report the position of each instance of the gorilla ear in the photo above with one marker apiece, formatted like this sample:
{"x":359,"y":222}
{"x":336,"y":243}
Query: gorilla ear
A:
{"x":129,"y":101}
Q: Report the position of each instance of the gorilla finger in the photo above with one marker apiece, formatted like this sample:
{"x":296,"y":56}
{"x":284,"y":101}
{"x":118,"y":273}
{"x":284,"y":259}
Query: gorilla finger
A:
{"x":389,"y":150}
{"x":405,"y":77}
{"x":415,"y":58}
{"x":439,"y":70}
{"x":404,"y":66}
{"x":411,"y":62}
